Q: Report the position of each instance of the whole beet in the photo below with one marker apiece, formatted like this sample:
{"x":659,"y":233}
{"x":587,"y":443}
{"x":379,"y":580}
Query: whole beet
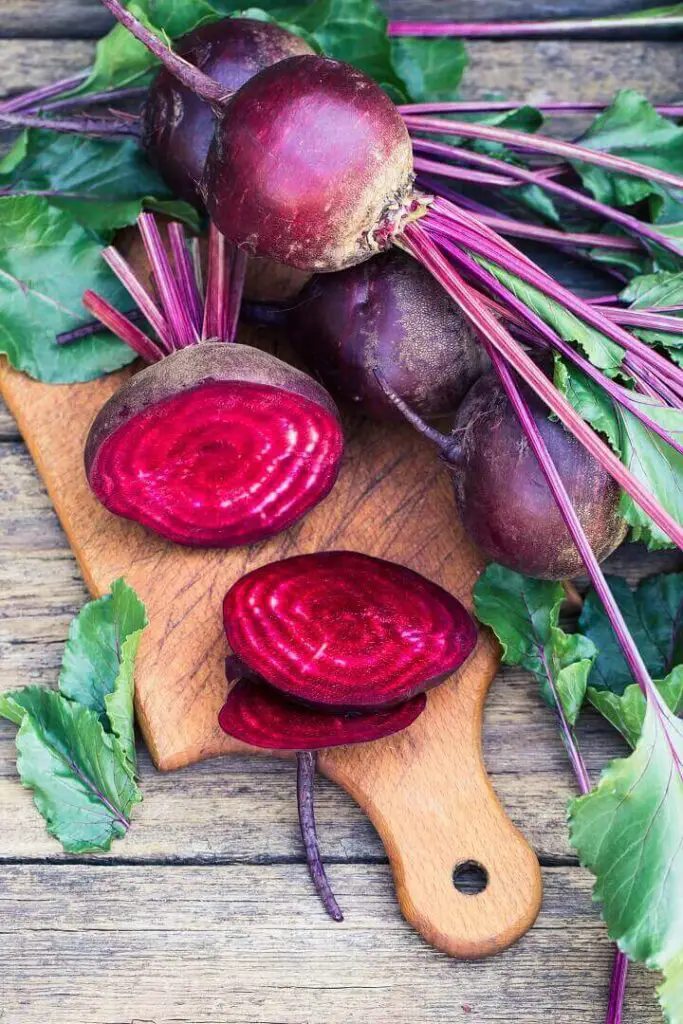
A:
{"x":503,"y":498}
{"x":387,"y":316}
{"x":311,"y":165}
{"x":178,"y":126}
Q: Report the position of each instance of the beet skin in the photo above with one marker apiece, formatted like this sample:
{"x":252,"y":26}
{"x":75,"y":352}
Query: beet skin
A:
{"x":387,"y":316}
{"x":178,"y":126}
{"x":311,"y":163}
{"x":502,"y":495}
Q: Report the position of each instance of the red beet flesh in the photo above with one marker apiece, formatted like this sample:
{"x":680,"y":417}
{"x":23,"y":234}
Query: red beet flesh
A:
{"x":216,"y":446}
{"x":177,"y":126}
{"x":387,"y":316}
{"x":310,"y":161}
{"x":345,"y":630}
{"x":503,"y":497}
{"x":258,"y":714}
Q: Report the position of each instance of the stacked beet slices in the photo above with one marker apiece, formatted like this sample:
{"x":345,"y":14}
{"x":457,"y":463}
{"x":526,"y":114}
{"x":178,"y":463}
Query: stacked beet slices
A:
{"x":331,"y":649}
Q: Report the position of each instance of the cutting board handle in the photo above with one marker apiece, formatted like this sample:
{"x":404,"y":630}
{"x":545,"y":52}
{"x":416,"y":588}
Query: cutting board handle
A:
{"x":435,"y":810}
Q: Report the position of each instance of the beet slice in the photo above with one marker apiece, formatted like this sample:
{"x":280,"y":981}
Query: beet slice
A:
{"x":215,"y":446}
{"x":262,"y":716}
{"x":346,"y":630}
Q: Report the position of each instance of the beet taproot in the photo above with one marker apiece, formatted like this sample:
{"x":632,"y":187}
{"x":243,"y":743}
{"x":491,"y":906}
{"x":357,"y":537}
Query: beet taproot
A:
{"x":386,"y":316}
{"x":310,"y":165}
{"x":215,"y":444}
{"x":337,"y":629}
{"x":315,"y":637}
{"x":177,"y":125}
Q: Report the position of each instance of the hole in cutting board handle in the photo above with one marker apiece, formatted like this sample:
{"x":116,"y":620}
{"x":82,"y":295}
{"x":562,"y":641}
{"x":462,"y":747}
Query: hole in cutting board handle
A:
{"x":470,"y":877}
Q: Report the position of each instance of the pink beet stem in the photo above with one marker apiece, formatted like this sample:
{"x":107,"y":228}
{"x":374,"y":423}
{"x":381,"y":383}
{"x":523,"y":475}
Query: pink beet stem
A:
{"x":185,"y":277}
{"x":94,"y":327}
{"x":177,"y":315}
{"x":238,"y":273}
{"x":122,"y":327}
{"x":618,"y":394}
{"x":305,"y":778}
{"x":625,"y":220}
{"x":35,"y":96}
{"x":126,"y":276}
{"x":646,"y":319}
{"x":91,"y":99}
{"x":542,"y":144}
{"x":530,"y":29}
{"x":425,"y":250}
{"x":459,"y":174}
{"x":76,"y":125}
{"x":501,"y":106}
{"x":200,"y":84}
{"x":502,"y":254}
{"x":217,"y":285}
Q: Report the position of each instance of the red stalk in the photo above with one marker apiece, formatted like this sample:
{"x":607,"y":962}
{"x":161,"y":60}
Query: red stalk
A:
{"x":140,"y":295}
{"x":238,"y":273}
{"x":542,"y":144}
{"x":77,"y":125}
{"x":217,"y":284}
{"x":459,"y":174}
{"x":121,"y":326}
{"x":421,"y":246}
{"x":90,"y":99}
{"x":44,"y":92}
{"x":502,"y":106}
{"x":185,"y":276}
{"x":200,"y":84}
{"x":177,"y":315}
{"x":529,"y":29}
{"x":625,"y":220}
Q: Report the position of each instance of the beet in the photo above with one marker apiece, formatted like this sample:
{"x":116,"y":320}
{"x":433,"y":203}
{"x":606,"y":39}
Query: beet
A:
{"x":387,"y":316}
{"x":338,"y":629}
{"x":178,"y":126}
{"x":310,"y":165}
{"x":502,"y":495}
{"x":258,"y":714}
{"x":216,"y":444}
{"x":316,"y":635}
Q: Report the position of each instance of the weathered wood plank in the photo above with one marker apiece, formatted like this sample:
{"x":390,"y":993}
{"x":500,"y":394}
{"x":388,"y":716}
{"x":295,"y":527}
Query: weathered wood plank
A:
{"x":245,"y":945}
{"x":244,"y":809}
{"x":523,"y":70}
{"x":87,"y":18}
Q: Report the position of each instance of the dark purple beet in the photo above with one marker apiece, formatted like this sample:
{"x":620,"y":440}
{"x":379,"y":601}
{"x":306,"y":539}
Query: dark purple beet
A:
{"x":387,"y":316}
{"x":502,"y":495}
{"x":178,"y":126}
{"x":262,"y":716}
{"x":344,"y":630}
{"x":311,"y":165}
{"x":316,"y":635}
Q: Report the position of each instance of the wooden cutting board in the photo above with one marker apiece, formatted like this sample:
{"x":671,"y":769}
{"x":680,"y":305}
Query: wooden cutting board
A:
{"x":425,"y":790}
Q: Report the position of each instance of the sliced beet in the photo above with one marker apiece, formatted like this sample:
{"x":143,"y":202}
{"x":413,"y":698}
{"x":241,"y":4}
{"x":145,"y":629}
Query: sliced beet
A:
{"x":215,"y":446}
{"x":346,"y":630}
{"x":262,"y":716}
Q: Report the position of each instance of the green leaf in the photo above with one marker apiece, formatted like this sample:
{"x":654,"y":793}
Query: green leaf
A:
{"x":632,"y":128}
{"x":104,"y":184}
{"x":121,"y":60}
{"x":654,"y":616}
{"x":601,"y":351}
{"x":81,"y":783}
{"x":47,"y":261}
{"x":430,"y":69}
{"x":524,"y":615}
{"x":97,"y":669}
{"x":355,"y":31}
{"x":629,"y":832}
{"x":650,"y":290}
{"x":626,"y":711}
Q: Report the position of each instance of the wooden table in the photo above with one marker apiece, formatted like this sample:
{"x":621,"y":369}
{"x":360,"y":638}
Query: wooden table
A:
{"x":205,"y":913}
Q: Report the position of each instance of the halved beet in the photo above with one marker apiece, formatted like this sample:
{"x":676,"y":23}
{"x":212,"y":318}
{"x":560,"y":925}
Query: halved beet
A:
{"x":262,"y":716}
{"x":215,"y":446}
{"x":346,"y":630}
